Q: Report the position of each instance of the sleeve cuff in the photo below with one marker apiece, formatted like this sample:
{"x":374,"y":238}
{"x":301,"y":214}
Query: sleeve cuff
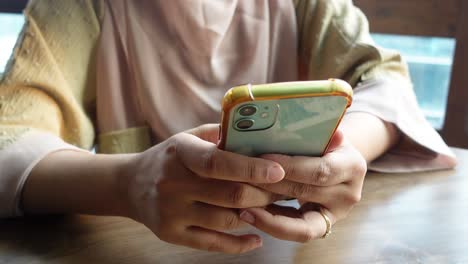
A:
{"x":130,"y":140}
{"x":16,"y":162}
{"x":421,"y":148}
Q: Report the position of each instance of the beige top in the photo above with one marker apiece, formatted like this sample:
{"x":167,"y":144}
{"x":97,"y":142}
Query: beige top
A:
{"x":167,"y":64}
{"x":159,"y":69}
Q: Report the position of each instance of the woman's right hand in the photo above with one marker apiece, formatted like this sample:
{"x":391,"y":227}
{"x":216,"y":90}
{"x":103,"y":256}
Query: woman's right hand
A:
{"x":184,"y":189}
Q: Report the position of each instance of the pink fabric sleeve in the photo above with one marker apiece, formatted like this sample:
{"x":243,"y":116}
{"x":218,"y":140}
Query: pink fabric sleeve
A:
{"x":16,"y":162}
{"x":420,"y":148}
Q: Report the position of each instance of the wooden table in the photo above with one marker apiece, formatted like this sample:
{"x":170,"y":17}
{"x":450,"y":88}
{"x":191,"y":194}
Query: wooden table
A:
{"x":402,"y":218}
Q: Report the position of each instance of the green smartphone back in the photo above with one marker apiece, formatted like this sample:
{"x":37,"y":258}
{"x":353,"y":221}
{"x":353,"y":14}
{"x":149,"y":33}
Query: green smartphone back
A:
{"x":284,"y":120}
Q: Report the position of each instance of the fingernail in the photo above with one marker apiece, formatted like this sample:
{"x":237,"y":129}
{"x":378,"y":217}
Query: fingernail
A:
{"x":247,"y":217}
{"x":275,"y":174}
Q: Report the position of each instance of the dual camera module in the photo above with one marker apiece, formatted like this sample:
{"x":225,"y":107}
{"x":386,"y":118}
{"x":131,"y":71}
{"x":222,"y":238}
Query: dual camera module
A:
{"x":254,"y":117}
{"x":246,"y":111}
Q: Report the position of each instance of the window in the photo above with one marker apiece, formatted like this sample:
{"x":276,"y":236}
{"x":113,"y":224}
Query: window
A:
{"x":430,"y":65}
{"x":11,"y":25}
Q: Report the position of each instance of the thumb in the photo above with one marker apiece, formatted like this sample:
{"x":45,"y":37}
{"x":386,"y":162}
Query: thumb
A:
{"x":208,"y":132}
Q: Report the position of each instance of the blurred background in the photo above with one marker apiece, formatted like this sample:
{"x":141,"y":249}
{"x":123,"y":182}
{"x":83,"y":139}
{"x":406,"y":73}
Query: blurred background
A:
{"x":425,"y":32}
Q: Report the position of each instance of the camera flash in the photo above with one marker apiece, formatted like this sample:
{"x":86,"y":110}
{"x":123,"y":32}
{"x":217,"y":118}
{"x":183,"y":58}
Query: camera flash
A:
{"x":264,"y":115}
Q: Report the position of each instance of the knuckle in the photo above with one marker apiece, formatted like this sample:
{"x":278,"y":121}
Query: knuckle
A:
{"x":350,"y":198}
{"x":354,"y":198}
{"x":231,"y":222}
{"x":323,"y":173}
{"x":175,"y":144}
{"x":289,"y":169}
{"x":176,"y":139}
{"x":250,"y":170}
{"x":359,"y":168}
{"x":299,"y":190}
{"x":210,"y":161}
{"x":172,"y":145}
{"x":237,"y":196}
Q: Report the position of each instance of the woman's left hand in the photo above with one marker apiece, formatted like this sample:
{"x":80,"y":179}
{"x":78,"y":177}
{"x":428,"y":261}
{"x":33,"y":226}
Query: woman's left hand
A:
{"x":330,"y":185}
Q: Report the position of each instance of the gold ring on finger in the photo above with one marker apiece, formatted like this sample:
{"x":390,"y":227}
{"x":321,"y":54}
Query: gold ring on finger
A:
{"x":327,"y":223}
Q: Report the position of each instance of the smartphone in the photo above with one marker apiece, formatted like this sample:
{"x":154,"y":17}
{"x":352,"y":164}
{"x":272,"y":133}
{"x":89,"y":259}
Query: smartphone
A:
{"x":292,"y":118}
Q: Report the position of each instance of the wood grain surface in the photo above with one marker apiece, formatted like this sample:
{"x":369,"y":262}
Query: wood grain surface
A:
{"x":402,"y":218}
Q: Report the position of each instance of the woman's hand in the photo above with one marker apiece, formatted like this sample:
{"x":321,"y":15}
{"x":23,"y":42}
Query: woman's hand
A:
{"x":184,"y":188}
{"x":331,"y":183}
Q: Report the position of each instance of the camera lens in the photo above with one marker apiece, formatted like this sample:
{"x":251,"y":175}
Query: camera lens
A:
{"x":244,"y":124}
{"x":248,"y":110}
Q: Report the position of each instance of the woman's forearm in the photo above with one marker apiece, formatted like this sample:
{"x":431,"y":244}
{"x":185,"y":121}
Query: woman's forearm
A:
{"x":370,"y":135}
{"x":77,"y":182}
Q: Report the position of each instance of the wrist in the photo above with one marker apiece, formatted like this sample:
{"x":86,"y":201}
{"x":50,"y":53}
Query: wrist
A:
{"x":369,"y":134}
{"x":123,"y":172}
{"x":77,"y":182}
